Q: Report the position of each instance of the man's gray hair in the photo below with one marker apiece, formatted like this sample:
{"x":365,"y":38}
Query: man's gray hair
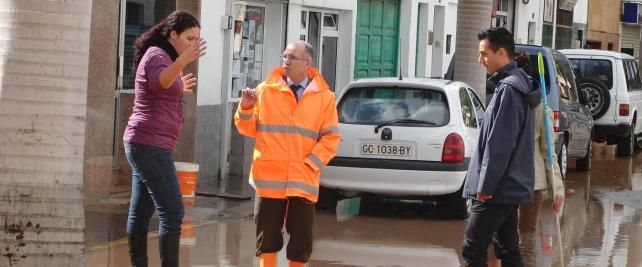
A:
{"x":309,"y":50}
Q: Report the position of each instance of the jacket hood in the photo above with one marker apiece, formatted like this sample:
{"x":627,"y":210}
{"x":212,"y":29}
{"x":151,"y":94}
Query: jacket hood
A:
{"x":520,"y":81}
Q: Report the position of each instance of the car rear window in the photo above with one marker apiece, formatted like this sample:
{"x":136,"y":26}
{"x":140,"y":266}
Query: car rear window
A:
{"x":374,"y":105}
{"x":595,"y":68}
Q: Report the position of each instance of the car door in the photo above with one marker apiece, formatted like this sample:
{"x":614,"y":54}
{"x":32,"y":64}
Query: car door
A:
{"x":634,"y":90}
{"x":479,"y":112}
{"x":479,"y":107}
{"x":470,"y":117}
{"x":579,"y":123}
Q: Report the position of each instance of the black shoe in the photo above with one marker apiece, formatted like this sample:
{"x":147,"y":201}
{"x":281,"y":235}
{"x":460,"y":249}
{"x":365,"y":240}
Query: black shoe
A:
{"x":169,"y":249}
{"x":137,"y":249}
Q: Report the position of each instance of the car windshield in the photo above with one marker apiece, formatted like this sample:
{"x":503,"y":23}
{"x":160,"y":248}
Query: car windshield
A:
{"x":376,"y":105}
{"x":596,"y":69}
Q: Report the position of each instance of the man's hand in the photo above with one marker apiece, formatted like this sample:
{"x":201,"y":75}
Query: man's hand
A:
{"x":189,"y":81}
{"x":481,"y":197}
{"x":248,"y":99}
{"x":558,"y":203}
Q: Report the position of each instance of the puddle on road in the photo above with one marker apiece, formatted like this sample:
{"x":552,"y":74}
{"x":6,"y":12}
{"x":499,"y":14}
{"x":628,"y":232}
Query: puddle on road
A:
{"x":606,"y":228}
{"x":600,"y":227}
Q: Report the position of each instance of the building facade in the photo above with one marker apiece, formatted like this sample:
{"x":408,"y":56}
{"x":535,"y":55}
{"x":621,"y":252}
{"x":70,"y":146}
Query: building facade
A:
{"x":631,"y":28}
{"x":604,"y":25}
{"x":352,"y":39}
{"x":531,"y":21}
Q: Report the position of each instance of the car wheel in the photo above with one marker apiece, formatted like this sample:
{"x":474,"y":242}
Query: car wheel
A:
{"x":599,"y":97}
{"x":584,"y":163}
{"x":458,"y":207}
{"x":328,"y":199}
{"x":625,"y":144}
{"x":562,"y":160}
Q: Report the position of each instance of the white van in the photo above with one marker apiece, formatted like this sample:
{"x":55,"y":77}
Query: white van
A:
{"x":618,"y":97}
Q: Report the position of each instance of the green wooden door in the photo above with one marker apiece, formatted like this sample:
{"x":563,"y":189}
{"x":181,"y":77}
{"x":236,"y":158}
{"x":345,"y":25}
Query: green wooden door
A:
{"x":377,"y":38}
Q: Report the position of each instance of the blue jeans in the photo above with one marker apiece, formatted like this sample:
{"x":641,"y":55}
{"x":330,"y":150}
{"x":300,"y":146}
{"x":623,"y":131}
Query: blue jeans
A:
{"x":496,"y":223}
{"x":154,"y":187}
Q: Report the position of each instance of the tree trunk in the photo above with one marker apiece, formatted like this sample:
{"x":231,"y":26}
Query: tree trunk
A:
{"x":43,"y":78}
{"x":473,"y":16}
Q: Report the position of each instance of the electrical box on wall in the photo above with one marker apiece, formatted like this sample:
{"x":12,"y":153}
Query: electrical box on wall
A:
{"x":227,"y":22}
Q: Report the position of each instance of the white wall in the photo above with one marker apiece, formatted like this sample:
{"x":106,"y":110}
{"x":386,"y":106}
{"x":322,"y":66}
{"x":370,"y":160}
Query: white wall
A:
{"x":346,"y":48}
{"x":333,"y":4}
{"x":526,"y":13}
{"x":451,"y":28}
{"x":210,"y":66}
{"x":408,"y":33}
{"x":408,"y":37}
{"x":274,"y":30}
{"x":580,"y":13}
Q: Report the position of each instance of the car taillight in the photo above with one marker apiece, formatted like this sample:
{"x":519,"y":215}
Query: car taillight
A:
{"x":453,"y":149}
{"x":556,"y":121}
{"x":624,"y":110}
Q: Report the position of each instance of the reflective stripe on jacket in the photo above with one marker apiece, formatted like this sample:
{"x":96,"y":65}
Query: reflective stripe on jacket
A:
{"x":293,"y":140}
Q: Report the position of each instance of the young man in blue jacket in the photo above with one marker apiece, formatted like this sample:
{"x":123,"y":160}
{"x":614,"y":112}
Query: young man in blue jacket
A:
{"x":501,"y":171}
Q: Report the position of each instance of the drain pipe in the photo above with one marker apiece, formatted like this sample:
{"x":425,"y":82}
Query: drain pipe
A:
{"x":554,"y":24}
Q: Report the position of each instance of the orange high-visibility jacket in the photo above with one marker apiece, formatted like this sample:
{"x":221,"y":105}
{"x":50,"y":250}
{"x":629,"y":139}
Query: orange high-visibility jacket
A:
{"x":293,"y":140}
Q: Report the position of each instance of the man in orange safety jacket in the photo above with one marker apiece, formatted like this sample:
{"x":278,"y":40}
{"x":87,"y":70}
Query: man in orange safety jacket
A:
{"x":293,"y":117}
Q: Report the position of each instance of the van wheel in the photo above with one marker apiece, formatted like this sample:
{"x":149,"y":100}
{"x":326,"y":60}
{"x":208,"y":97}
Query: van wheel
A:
{"x":328,"y":199}
{"x":599,"y":97}
{"x":584,"y":163}
{"x":562,"y":160}
{"x":625,"y":144}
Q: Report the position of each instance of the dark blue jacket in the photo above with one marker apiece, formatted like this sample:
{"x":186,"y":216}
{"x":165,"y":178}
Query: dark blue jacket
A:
{"x":502,"y":164}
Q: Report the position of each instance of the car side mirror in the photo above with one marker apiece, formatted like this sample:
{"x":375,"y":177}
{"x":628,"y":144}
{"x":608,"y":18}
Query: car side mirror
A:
{"x":584,"y":97}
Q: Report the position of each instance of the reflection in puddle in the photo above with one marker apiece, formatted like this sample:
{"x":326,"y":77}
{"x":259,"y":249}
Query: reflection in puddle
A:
{"x":42,"y":226}
{"x":605,"y":229}
{"x":348,"y":208}
{"x":382,"y":240}
{"x":210,"y":244}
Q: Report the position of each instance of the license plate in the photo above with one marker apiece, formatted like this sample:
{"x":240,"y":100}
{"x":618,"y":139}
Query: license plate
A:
{"x":398,"y":150}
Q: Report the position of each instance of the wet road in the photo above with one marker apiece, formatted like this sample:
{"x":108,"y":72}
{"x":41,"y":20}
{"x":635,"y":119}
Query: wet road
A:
{"x":601,"y":226}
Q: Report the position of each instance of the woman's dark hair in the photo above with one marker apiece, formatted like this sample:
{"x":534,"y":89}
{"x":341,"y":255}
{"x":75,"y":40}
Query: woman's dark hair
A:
{"x":178,"y":21}
{"x":523,"y":61}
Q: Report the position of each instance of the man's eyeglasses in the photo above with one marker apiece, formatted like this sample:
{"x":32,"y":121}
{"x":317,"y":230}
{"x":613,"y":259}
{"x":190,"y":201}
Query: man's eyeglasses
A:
{"x":291,"y":57}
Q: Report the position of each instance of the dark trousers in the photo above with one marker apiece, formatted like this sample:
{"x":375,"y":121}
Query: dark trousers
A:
{"x":297,"y":214}
{"x":495,"y":223}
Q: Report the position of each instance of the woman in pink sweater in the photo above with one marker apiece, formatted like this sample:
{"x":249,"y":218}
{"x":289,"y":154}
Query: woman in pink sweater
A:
{"x":160,"y":55}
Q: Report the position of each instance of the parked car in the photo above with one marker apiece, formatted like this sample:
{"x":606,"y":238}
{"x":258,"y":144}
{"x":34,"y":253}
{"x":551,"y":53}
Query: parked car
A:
{"x":620,"y":107}
{"x":573,"y":120}
{"x":409,"y":139}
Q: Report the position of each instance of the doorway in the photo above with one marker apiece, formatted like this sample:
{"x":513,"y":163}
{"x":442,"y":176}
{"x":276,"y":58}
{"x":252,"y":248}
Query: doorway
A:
{"x":438,"y":42}
{"x":320,"y":28}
